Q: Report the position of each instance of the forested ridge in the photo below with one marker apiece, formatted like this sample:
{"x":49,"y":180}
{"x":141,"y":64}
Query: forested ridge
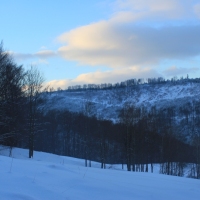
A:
{"x":140,"y":135}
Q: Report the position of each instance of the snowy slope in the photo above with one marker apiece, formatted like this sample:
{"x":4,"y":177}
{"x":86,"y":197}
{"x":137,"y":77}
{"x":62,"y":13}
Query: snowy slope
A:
{"x":107,"y":103}
{"x":49,"y":176}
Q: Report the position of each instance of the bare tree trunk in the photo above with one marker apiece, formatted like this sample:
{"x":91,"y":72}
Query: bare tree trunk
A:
{"x":34,"y":82}
{"x":146,"y":169}
{"x":151,"y":167}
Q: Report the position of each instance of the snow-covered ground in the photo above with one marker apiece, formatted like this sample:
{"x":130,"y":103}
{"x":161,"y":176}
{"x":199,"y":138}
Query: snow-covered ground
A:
{"x":49,"y":176}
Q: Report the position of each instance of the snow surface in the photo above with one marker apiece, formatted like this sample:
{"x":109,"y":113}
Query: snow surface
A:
{"x":49,"y":176}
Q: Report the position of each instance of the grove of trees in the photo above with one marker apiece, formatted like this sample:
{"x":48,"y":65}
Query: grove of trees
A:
{"x":140,"y":139}
{"x":19,"y":93}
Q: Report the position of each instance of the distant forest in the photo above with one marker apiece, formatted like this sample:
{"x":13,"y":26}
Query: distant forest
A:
{"x":140,"y":137}
{"x":133,"y":82}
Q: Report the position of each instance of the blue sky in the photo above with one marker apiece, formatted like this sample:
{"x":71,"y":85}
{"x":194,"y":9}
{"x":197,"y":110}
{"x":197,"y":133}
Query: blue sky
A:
{"x":108,"y":41}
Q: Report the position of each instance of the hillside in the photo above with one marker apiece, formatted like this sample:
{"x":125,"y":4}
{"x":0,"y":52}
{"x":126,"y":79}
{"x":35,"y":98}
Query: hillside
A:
{"x":49,"y":176}
{"x":106,"y":103}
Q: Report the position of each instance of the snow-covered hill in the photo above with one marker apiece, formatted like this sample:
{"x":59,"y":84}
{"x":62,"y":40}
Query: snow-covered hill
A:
{"x":107,"y":103}
{"x":49,"y":176}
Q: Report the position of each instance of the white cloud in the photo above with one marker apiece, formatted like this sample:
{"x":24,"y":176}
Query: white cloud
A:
{"x":177,"y":71}
{"x":58,"y":84}
{"x":122,"y":45}
{"x":19,"y":56}
{"x":43,"y":47}
{"x":99,"y":77}
{"x":159,"y":9}
{"x":39,"y":61}
{"x":197,"y":10}
{"x":147,"y":4}
{"x":44,"y":54}
{"x":128,"y":39}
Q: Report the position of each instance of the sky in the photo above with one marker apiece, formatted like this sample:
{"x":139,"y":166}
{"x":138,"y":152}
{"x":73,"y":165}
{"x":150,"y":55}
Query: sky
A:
{"x":103,"y":41}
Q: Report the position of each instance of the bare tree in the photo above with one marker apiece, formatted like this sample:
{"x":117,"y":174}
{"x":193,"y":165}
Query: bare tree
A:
{"x":34,"y":81}
{"x":87,"y":110}
{"x":129,"y":115}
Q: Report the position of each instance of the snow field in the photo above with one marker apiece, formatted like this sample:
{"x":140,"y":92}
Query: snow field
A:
{"x":49,"y":176}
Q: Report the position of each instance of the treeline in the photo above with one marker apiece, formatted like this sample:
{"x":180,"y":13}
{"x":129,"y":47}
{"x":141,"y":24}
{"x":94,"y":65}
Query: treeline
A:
{"x":133,"y":82}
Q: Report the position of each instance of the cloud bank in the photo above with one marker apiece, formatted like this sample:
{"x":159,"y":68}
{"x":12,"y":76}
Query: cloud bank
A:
{"x":142,"y":33}
{"x":112,"y":76}
{"x":123,"y":45}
